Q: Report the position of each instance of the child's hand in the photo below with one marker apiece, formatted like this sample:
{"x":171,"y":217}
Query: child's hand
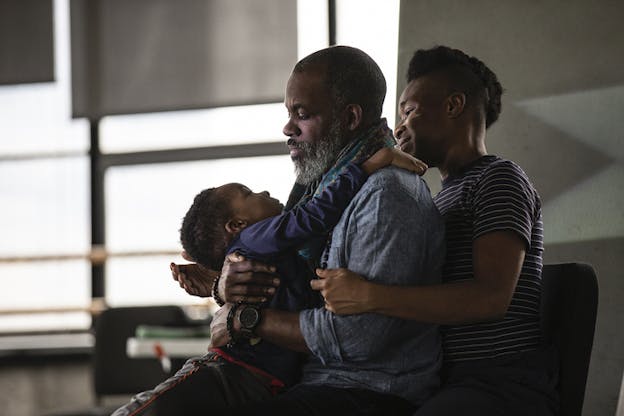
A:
{"x":194,"y":278}
{"x":393,"y":156}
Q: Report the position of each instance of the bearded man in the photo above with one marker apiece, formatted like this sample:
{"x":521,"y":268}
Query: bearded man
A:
{"x":391,"y":233}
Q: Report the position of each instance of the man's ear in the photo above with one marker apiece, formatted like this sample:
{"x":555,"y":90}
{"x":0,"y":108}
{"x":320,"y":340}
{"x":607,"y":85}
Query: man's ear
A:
{"x":353,"y":114}
{"x":455,"y":104}
{"x":235,"y":225}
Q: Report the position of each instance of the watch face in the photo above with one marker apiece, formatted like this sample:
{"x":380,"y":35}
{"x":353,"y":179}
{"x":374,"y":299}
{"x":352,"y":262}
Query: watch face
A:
{"x":249,"y":317}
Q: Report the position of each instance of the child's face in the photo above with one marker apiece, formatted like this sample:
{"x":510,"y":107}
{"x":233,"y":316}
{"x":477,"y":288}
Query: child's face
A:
{"x":249,"y":206}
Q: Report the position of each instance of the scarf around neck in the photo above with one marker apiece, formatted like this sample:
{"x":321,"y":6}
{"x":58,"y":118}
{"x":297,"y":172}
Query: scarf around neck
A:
{"x":357,"y":151}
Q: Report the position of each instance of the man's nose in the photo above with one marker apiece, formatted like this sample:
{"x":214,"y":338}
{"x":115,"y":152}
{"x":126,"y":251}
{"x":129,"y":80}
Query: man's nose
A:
{"x":398,"y":130}
{"x":290,"y":129}
{"x":265,"y":193}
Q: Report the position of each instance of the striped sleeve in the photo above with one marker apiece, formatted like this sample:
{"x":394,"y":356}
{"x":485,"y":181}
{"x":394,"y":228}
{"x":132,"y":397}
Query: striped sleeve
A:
{"x":504,"y":200}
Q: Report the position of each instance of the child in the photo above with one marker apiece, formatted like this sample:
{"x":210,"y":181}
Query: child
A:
{"x":232,"y":218}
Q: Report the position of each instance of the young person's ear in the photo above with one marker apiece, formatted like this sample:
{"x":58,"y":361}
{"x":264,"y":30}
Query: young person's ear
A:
{"x":235,"y":225}
{"x":455,"y":104}
{"x":353,"y":114}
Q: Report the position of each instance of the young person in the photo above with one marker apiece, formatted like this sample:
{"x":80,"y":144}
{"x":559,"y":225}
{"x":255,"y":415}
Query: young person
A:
{"x":494,"y":362}
{"x":391,"y":233}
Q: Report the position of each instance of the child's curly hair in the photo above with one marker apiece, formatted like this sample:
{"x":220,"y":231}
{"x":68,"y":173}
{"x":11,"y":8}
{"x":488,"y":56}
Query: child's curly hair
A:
{"x":203,"y":235}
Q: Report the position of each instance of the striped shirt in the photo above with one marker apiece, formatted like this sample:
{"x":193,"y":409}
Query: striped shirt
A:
{"x":492,"y":194}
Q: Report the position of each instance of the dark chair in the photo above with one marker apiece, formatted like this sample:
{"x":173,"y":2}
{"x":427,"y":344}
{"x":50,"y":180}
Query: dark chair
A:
{"x":114,"y":373}
{"x":568,"y":310}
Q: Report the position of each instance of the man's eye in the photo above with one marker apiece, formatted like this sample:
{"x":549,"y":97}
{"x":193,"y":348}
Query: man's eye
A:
{"x":302,"y":116}
{"x":407,"y":112}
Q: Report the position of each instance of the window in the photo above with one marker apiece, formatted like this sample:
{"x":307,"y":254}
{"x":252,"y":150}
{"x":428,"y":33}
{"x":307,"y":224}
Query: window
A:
{"x":44,"y":177}
{"x":144,"y":209}
{"x":44,"y":188}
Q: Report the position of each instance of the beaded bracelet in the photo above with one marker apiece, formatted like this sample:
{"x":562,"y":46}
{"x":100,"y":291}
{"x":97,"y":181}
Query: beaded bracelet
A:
{"x":215,"y":291}
{"x":229,"y":325}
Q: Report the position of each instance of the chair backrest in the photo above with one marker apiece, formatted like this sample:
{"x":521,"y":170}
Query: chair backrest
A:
{"x":568,"y":310}
{"x":114,"y":371}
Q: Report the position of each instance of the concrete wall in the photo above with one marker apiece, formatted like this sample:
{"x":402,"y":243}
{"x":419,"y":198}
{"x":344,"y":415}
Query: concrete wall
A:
{"x":35,"y":387}
{"x":562,"y":66}
{"x":46,"y":385}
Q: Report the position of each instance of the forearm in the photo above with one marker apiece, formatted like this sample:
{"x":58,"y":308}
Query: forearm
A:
{"x":282,"y":328}
{"x":339,"y":341}
{"x":497,"y":264}
{"x":314,"y":218}
{"x":446,"y":304}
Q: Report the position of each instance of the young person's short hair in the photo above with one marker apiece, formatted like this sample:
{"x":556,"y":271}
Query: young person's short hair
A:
{"x":203,"y":235}
{"x":464,"y":72}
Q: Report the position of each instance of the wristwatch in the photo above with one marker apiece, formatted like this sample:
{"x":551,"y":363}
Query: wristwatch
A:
{"x":249,"y":318}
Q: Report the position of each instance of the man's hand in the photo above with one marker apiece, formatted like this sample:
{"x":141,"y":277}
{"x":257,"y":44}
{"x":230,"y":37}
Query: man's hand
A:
{"x":345,"y":292}
{"x":246,"y":281}
{"x":393,"y":156}
{"x":194,"y":278}
{"x":218,"y":327}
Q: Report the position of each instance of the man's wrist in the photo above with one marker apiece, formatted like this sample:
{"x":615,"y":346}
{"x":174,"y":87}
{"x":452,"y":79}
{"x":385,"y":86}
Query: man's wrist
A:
{"x":235,"y":316}
{"x":372,"y":295}
{"x":236,"y":320}
{"x":248,"y":317}
{"x":215,"y":291}
{"x":220,"y":288}
{"x":230,"y":324}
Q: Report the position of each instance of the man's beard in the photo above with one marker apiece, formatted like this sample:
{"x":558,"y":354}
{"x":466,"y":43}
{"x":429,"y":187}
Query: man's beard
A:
{"x":317,"y":157}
